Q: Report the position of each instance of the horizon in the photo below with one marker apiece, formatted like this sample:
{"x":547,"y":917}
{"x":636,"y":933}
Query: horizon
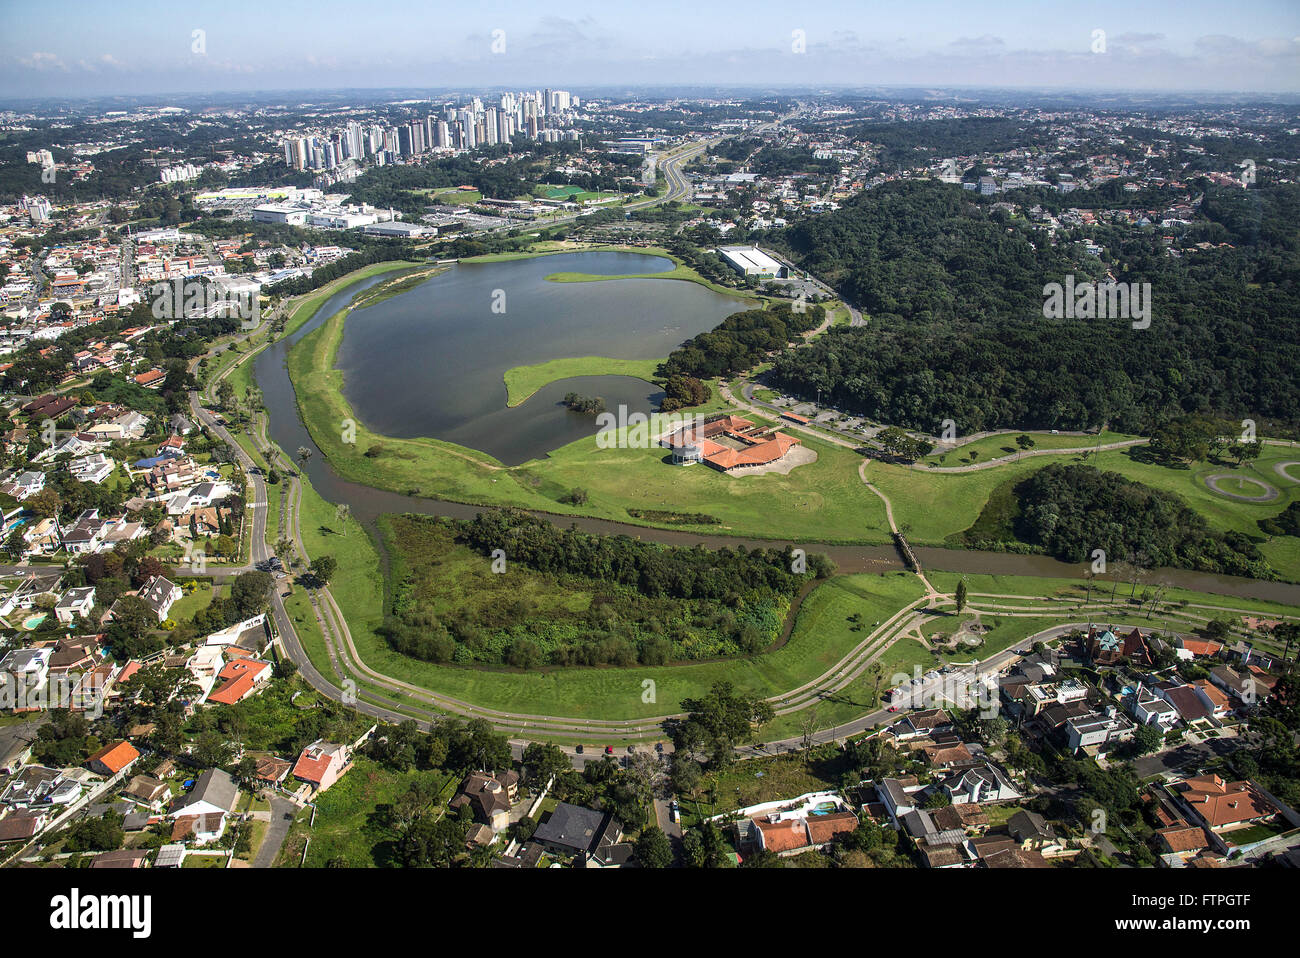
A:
{"x":67,"y":50}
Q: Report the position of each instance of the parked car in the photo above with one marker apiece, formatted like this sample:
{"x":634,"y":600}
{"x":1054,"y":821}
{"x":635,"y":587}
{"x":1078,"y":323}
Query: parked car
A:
{"x":578,"y":749}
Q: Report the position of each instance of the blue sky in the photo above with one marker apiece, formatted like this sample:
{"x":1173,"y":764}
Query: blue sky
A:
{"x":77,"y":48}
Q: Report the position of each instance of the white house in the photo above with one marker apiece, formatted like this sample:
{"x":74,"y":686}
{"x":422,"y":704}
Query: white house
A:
{"x":95,"y":468}
{"x":160,"y":595}
{"x":75,"y":602}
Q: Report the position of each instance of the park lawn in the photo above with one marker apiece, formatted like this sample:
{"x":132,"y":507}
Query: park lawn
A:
{"x":821,"y":637}
{"x":201,"y":860}
{"x":190,"y":603}
{"x":523,"y":381}
{"x":680,"y":271}
{"x":995,"y":447}
{"x":454,"y":195}
{"x":823,"y":501}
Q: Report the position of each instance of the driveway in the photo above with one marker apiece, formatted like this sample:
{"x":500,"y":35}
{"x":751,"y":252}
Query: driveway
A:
{"x":280,"y":807}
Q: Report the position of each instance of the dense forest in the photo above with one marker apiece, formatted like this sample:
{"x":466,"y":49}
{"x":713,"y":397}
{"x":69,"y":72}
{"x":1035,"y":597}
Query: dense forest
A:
{"x":955,"y":296}
{"x":564,"y":597}
{"x":740,"y":341}
{"x":1071,"y":510}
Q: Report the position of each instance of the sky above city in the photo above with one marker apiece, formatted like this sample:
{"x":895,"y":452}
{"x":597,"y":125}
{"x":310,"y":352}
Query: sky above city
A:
{"x":89,"y":48}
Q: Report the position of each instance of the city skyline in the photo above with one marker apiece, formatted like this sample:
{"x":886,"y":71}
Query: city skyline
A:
{"x":68,"y":50}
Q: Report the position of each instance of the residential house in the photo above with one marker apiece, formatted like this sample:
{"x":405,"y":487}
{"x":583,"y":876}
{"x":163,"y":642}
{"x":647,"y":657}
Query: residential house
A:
{"x":982,"y":784}
{"x":202,"y":812}
{"x":239,"y":679}
{"x":94,"y":469}
{"x":572,"y":830}
{"x":322,"y":763}
{"x":272,"y":771}
{"x":1191,"y":707}
{"x":112,"y":759}
{"x":22,"y":826}
{"x":75,"y":602}
{"x":160,"y":595}
{"x":490,"y":797}
{"x":1096,"y":729}
{"x":1148,"y":708}
{"x":1221,"y":805}
{"x":148,"y":791}
{"x":1031,"y":830}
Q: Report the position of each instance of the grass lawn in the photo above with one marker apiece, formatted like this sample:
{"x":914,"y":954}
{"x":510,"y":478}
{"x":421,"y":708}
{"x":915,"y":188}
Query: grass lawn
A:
{"x":349,"y":817}
{"x":523,"y":381}
{"x":995,"y":447}
{"x":193,"y":860}
{"x":764,"y":780}
{"x":1076,"y":590}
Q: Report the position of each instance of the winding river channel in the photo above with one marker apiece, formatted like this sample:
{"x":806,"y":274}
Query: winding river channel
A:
{"x":366,"y":502}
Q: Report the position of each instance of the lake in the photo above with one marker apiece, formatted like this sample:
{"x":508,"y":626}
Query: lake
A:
{"x":432,"y":361}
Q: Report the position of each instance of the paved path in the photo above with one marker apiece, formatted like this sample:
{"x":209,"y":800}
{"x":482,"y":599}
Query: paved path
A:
{"x":1268,"y":495}
{"x":282,"y":812}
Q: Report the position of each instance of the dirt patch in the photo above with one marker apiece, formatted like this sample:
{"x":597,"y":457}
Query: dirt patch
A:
{"x":797,"y":456}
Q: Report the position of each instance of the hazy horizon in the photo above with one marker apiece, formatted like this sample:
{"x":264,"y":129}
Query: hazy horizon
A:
{"x":150,"y":49}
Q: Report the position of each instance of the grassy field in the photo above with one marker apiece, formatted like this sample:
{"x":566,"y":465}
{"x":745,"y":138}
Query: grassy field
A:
{"x":349,"y":821}
{"x":820,"y":638}
{"x":523,"y":381}
{"x":996,"y":447}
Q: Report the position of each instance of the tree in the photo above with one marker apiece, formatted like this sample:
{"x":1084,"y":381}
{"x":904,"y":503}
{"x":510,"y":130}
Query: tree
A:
{"x":544,"y":761}
{"x":1146,"y":739}
{"x":246,"y":772}
{"x":721,"y":720}
{"x":304,"y":454}
{"x":961,"y":596}
{"x":653,"y":849}
{"x":323,"y":569}
{"x":284,"y":549}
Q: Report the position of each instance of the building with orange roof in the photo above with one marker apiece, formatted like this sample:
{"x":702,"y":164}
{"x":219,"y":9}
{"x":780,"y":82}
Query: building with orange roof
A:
{"x":112,"y":759}
{"x":728,"y":442}
{"x":240,"y":679}
{"x":824,"y":829}
{"x":784,"y":836}
{"x":1222,"y":805}
{"x":1214,"y":697}
{"x":1196,"y":648}
{"x":322,"y":763}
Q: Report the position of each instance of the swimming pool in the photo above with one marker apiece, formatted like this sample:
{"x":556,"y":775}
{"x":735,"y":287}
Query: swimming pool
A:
{"x":32,"y":621}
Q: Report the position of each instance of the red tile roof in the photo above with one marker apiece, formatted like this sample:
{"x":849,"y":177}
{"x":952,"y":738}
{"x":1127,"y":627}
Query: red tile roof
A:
{"x":115,"y":757}
{"x":783,"y":836}
{"x":1225,"y":803}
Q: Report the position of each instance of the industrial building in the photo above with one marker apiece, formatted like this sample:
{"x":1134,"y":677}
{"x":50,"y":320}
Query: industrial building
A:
{"x":751,"y":261}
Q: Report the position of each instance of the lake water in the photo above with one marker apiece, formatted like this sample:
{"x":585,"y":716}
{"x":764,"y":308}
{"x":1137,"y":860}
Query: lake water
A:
{"x":432,"y":361}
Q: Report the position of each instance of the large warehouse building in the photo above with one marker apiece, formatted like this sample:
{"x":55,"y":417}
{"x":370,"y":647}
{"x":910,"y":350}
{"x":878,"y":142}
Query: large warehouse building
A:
{"x":751,"y":261}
